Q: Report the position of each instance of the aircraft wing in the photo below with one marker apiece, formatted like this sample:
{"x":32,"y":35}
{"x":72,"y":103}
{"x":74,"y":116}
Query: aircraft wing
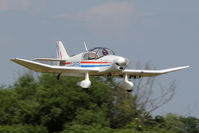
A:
{"x":47,"y":59}
{"x":151,"y":73}
{"x":45,"y":68}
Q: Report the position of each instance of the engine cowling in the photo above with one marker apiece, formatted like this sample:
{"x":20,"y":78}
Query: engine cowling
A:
{"x":84,"y":83}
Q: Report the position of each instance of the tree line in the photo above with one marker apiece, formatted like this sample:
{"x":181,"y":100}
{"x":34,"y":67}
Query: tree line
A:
{"x":46,"y":105}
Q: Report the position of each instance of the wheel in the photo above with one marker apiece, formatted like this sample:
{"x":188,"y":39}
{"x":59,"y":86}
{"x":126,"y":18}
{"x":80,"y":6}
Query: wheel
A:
{"x":85,"y":89}
{"x":129,"y":90}
{"x":58,"y":76}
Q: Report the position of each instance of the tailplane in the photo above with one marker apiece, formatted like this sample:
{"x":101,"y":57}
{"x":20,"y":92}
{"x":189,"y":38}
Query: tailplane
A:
{"x":61,"y":51}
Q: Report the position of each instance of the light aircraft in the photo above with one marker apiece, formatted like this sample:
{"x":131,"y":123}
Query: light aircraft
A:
{"x":98,"y":61}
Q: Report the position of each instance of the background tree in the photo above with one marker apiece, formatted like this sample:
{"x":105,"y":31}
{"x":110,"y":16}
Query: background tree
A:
{"x":53,"y":104}
{"x":49,"y":105}
{"x":141,"y":102}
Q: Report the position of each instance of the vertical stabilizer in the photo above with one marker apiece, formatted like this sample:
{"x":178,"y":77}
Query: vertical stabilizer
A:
{"x":61,"y":52}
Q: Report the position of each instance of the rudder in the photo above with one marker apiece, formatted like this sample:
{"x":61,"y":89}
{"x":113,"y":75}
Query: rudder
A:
{"x":61,"y":51}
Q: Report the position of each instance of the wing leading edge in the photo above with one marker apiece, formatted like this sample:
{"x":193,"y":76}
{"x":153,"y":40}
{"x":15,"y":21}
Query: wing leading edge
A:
{"x":152,"y":73}
{"x":45,"y":68}
{"x":47,"y":59}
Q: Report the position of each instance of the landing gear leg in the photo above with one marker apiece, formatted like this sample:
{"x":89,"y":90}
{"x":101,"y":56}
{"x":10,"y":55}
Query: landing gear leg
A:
{"x":85,"y":83}
{"x":58,"y":76}
{"x":128,"y":84}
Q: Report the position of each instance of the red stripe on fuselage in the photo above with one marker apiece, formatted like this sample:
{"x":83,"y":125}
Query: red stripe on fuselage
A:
{"x":88,"y":62}
{"x":67,"y":63}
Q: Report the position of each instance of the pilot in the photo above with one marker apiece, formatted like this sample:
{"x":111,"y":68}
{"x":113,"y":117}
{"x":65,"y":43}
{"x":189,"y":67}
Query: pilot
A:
{"x":105,"y":52}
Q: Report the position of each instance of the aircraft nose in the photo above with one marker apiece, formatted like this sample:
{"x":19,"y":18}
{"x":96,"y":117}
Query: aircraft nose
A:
{"x":121,"y":61}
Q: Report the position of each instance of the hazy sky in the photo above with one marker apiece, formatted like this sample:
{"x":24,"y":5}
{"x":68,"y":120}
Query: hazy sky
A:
{"x":165,"y":33}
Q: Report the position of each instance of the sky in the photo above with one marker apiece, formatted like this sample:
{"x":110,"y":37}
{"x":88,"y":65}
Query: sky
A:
{"x":164,"y":33}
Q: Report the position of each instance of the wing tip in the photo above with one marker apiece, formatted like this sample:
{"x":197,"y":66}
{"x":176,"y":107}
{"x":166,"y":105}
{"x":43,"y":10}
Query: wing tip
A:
{"x":13,"y":59}
{"x":174,"y":69}
{"x":184,"y":67}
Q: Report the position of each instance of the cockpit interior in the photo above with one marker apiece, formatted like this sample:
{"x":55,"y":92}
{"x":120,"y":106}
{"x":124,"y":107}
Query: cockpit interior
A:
{"x":97,"y":53}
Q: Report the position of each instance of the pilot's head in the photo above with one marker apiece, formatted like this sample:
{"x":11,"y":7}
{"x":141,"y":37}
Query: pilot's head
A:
{"x":105,"y":52}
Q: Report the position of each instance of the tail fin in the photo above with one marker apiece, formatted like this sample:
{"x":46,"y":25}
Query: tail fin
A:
{"x":61,"y":52}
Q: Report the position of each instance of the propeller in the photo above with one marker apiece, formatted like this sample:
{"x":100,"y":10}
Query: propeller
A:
{"x":122,"y":63}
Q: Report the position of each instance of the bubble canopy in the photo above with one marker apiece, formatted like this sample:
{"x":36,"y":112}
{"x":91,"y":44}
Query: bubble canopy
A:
{"x":97,"y":53}
{"x":100,"y":50}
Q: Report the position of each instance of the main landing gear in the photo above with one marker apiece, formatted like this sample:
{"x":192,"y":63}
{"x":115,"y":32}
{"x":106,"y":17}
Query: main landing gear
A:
{"x":85,"y":83}
{"x":58,"y":76}
{"x":128,"y":84}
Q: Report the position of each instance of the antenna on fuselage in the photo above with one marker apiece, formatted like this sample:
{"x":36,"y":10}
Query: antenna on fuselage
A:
{"x":85,"y":46}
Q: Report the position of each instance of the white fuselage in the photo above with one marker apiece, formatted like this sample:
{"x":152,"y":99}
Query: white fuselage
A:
{"x":104,"y":64}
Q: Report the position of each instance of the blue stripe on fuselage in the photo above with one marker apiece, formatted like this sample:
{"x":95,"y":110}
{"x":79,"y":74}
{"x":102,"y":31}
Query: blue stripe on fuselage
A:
{"x":94,"y":65}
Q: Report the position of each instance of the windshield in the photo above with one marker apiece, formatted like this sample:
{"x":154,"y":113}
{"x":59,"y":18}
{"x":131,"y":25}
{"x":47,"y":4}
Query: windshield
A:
{"x":90,"y":56}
